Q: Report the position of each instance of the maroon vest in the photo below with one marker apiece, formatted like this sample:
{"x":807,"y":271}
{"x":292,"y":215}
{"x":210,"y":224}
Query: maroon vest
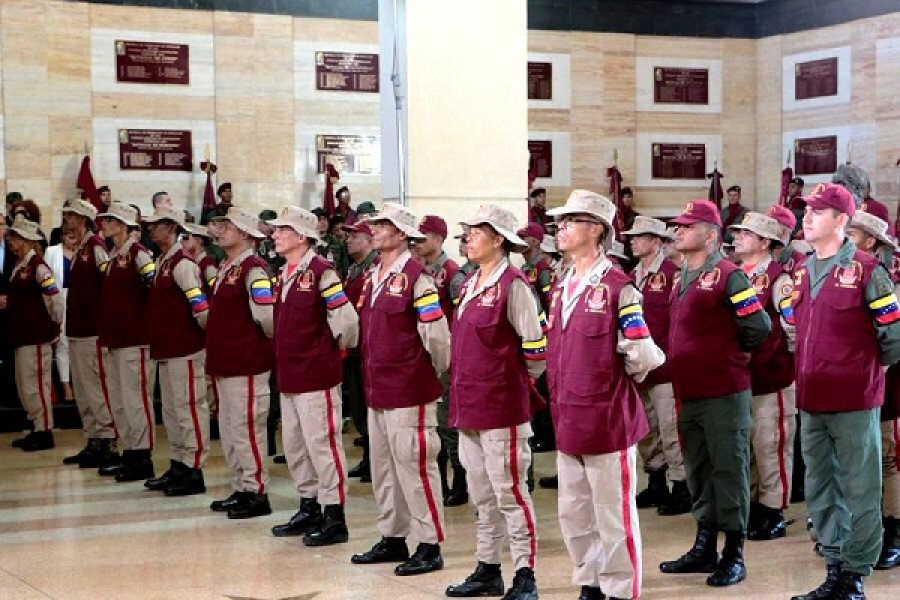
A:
{"x":396,"y":367}
{"x":123,"y":300}
{"x":173,"y":330}
{"x":307,"y":356}
{"x":29,"y":322}
{"x":442,"y":279}
{"x":837,"y":357}
{"x":204,"y":264}
{"x":891,"y":408}
{"x":83,"y":297}
{"x":657,"y":293}
{"x":704,"y":357}
{"x":533,"y":274}
{"x":489,"y":379}
{"x":595,"y":404}
{"x":795,"y":261}
{"x":771,"y":364}
{"x":235,"y":344}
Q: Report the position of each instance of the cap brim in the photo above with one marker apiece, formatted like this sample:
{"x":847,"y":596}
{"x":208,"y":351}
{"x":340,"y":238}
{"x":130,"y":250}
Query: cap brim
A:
{"x":413,"y":234}
{"x":510,"y":236}
{"x":117,"y":218}
{"x":75,"y":211}
{"x":665,"y":236}
{"x":252,"y":233}
{"x":157,"y":219}
{"x":25,"y":235}
{"x":686,"y":221}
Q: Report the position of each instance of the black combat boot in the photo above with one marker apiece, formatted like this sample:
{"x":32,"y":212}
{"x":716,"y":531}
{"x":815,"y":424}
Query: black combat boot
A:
{"x":189,"y":482}
{"x":679,"y":501}
{"x":387,"y":549}
{"x":333,"y":529}
{"x":657,"y":492}
{"x":425,"y":559}
{"x":731,"y":568}
{"x":485,"y":580}
{"x":523,"y":586}
{"x":824,"y":591}
{"x":307,"y":518}
{"x":890,"y":548}
{"x":459,"y":493}
{"x":701,"y":558}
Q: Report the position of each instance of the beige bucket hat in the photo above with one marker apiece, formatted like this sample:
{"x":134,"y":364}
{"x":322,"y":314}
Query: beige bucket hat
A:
{"x":400,"y":217}
{"x":548,"y":244}
{"x":26,"y":229}
{"x":299,"y":219}
{"x":761,"y":225}
{"x":198,"y":230}
{"x":501,"y":220}
{"x":166,"y":214}
{"x":246,"y":222}
{"x":873,"y":226}
{"x":121,"y":212}
{"x":590,"y":203}
{"x":617,"y":249}
{"x":649,"y":226}
{"x":81,"y":207}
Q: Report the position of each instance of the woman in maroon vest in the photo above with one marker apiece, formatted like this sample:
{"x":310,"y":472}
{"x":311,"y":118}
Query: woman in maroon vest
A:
{"x":599,"y":346}
{"x":498,"y":351}
{"x":35,"y":310}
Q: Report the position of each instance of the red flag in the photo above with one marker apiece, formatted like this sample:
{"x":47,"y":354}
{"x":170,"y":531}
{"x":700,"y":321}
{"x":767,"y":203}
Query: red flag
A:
{"x":209,"y":194}
{"x":85,"y":183}
{"x":715,"y":187}
{"x":328,"y":204}
{"x":786,"y":175}
{"x":615,"y":187}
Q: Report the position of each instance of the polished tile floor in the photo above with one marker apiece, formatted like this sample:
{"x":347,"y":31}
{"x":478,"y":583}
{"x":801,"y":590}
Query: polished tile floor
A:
{"x":67,"y":534}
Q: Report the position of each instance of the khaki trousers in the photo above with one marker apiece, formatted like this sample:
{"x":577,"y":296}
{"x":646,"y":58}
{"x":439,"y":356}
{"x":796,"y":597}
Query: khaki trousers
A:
{"x":310,"y":433}
{"x":34,"y":380}
{"x":130,"y":382}
{"x":890,"y":452}
{"x":661,"y":446}
{"x":88,"y":360}
{"x":599,"y":520}
{"x":496,"y":463}
{"x":403,"y":446}
{"x":185,"y":411}
{"x":772,"y":447}
{"x":243,"y":412}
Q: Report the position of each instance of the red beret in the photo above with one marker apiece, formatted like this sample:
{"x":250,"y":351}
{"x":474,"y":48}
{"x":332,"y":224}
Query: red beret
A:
{"x":358,"y":227}
{"x":783,"y":215}
{"x":832,"y":195}
{"x":533,"y":230}
{"x":699,"y":211}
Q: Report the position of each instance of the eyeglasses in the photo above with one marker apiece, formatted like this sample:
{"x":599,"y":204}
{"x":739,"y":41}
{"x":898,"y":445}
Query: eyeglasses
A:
{"x":567,"y":222}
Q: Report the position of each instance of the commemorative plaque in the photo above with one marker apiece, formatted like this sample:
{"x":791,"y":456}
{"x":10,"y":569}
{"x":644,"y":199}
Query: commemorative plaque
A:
{"x":541,"y":161}
{"x":347,"y":72}
{"x":155,"y":150}
{"x":152,"y":62}
{"x":816,"y":156}
{"x":672,"y":85}
{"x":679,"y":161}
{"x":349,"y":153}
{"x":816,"y":78}
{"x":540,"y":80}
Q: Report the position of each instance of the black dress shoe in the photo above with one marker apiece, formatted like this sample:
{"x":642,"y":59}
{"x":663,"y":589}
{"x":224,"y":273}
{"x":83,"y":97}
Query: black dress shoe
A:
{"x":307,"y":518}
{"x":167,"y":478}
{"x":769,"y":526}
{"x":657,"y":491}
{"x":20,"y":442}
{"x":701,"y":558}
{"x":333,"y":529}
{"x":730,"y":569}
{"x":459,"y":491}
{"x":890,"y":547}
{"x":252,"y":505}
{"x":485,"y":580}
{"x":679,"y":501}
{"x":425,"y":559}
{"x":387,"y":549}
{"x":189,"y":482}
{"x":591,"y":593}
{"x":114,"y":466}
{"x":140,"y":467}
{"x":824,"y":591}
{"x":849,"y":587}
{"x":360,"y":470}
{"x":40,"y":440}
{"x":76,"y":459}
{"x":226,"y":504}
{"x":549,"y":483}
{"x":523,"y":586}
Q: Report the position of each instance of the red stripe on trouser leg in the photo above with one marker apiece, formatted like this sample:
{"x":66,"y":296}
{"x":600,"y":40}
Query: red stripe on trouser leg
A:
{"x":145,"y":398}
{"x":257,"y":475}
{"x":40,"y":384}
{"x":101,"y":372}
{"x":782,"y":469}
{"x":517,"y":494}
{"x":423,"y":474}
{"x":332,"y":442}
{"x":629,"y":528}
{"x":192,"y":404}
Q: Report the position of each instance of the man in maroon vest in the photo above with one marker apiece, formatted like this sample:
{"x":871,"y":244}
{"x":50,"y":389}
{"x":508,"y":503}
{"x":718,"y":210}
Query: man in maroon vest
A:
{"x":848,"y":328}
{"x":599,"y":346}
{"x":870,"y":234}
{"x":88,"y":358}
{"x":195,"y":246}
{"x":177,"y":310}
{"x":498,"y":351}
{"x":448,"y":278}
{"x":716,"y":316}
{"x":654,"y":276}
{"x":239,"y":357}
{"x":774,"y":406}
{"x":314,"y":322}
{"x":405,"y":347}
{"x":123,"y":330}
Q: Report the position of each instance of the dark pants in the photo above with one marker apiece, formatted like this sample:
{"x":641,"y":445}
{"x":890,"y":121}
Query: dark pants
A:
{"x":715,"y":436}
{"x":274,"y":414}
{"x":354,"y":393}
{"x":542,"y":422}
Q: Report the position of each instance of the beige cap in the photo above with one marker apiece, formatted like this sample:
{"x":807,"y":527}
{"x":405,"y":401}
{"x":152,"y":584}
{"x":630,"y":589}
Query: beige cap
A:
{"x":26,"y":229}
{"x":81,"y":207}
{"x":166,"y":214}
{"x":199,"y":230}
{"x":873,"y":226}
{"x":649,"y":226}
{"x":503,"y":222}
{"x":589,"y":203}
{"x":246,"y":222}
{"x":617,"y":249}
{"x":763,"y":226}
{"x":121,"y":212}
{"x":299,"y":219}
{"x":548,"y":244}
{"x":401,"y":217}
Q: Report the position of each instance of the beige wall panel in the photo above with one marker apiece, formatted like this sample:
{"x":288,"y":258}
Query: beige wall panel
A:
{"x":826,"y":37}
{"x":150,"y":19}
{"x":549,"y":120}
{"x":333,"y":30}
{"x":153,"y":107}
{"x":346,"y":113}
{"x":679,"y":122}
{"x":550,"y":41}
{"x":887,"y":181}
{"x":682,"y":47}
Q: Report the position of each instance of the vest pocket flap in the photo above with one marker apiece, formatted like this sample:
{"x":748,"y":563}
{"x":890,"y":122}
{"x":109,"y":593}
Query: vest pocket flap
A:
{"x":843,"y":299}
{"x":593,"y":326}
